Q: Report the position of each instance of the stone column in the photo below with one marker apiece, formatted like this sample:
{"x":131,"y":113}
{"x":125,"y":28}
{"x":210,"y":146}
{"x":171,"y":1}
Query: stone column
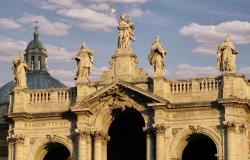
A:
{"x":230,"y":140}
{"x":10,"y":150}
{"x":149,"y":144}
{"x":242,"y":127}
{"x":98,"y":140}
{"x":160,"y":141}
{"x":82,"y":145}
{"x":106,"y":138}
{"x":16,"y":147}
{"x":89,"y":148}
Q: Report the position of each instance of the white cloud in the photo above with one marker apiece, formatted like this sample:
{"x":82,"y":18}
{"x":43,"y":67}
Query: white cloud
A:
{"x":10,"y":47}
{"x":46,"y":26}
{"x":120,"y":1}
{"x":189,"y":71}
{"x":90,"y":19}
{"x":55,"y":4}
{"x":8,"y":23}
{"x":56,"y":52}
{"x":245,"y":70}
{"x":209,"y":36}
{"x":67,"y":76}
{"x":138,"y":13}
{"x":100,"y":7}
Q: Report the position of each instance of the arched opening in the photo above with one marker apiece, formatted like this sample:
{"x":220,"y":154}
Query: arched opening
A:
{"x":39,"y":63}
{"x":127,"y":139}
{"x":57,"y":151}
{"x":32,"y":62}
{"x":199,"y":147}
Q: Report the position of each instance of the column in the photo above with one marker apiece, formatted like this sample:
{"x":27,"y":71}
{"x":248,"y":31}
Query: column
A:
{"x":82,"y":145}
{"x":160,"y":142}
{"x":242,"y":134}
{"x":230,"y":141}
{"x":149,"y":144}
{"x":98,"y":139}
{"x":89,"y":148}
{"x":10,"y":150}
{"x":106,"y":138}
{"x":16,"y":147}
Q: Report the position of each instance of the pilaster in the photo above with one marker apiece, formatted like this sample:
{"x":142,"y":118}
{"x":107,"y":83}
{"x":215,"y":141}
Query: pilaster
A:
{"x":160,"y":141}
{"x":15,"y":145}
{"x":82,"y":144}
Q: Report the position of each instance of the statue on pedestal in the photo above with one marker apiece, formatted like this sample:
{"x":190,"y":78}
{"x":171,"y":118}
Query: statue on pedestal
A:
{"x":19,"y":68}
{"x":126,"y":32}
{"x":226,"y":55}
{"x":84,"y":60}
{"x":157,"y":55}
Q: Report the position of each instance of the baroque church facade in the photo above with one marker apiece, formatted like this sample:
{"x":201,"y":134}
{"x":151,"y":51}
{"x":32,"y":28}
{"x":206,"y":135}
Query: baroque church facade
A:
{"x":125,"y":115}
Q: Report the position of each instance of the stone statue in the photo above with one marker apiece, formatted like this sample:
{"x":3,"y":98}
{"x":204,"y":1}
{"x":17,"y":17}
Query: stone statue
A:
{"x":126,"y":32}
{"x":19,"y":68}
{"x":84,"y":60}
{"x":226,"y":55}
{"x":157,"y":55}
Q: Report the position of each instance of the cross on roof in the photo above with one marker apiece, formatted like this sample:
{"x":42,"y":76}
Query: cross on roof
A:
{"x":36,"y":24}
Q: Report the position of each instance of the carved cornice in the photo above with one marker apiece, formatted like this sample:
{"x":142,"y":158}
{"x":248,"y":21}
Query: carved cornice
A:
{"x":19,"y":139}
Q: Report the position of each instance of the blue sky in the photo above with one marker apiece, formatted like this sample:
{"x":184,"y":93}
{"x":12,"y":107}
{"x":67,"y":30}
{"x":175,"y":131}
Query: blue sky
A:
{"x":190,"y":29}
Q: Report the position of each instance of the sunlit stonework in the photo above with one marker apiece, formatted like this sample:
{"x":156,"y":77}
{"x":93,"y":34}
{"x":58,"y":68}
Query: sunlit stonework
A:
{"x":125,"y":115}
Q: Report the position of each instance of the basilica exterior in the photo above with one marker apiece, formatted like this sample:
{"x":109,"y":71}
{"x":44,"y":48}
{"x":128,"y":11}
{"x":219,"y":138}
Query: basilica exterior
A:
{"x":125,"y":115}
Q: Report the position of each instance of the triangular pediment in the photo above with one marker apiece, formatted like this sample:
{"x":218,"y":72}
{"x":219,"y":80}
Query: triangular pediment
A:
{"x":122,"y":92}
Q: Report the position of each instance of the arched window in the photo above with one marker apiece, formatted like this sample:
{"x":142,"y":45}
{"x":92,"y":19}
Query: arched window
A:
{"x":32,"y":62}
{"x":39,"y":62}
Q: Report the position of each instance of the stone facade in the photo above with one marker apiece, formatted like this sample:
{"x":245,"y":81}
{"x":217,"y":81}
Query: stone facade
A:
{"x":174,"y":115}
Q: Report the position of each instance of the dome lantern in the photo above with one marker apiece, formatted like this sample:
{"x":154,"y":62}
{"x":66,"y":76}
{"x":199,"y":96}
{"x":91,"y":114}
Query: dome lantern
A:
{"x":35,"y":53}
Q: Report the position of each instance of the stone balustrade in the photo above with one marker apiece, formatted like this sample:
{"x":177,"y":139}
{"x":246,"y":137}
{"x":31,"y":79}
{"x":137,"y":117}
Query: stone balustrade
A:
{"x":55,"y":95}
{"x":181,"y":86}
{"x":188,"y":86}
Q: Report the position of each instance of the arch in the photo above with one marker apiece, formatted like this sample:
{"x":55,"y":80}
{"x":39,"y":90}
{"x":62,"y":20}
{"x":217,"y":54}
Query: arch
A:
{"x":105,"y":117}
{"x":179,"y":142}
{"x":127,"y":138}
{"x":37,"y":152}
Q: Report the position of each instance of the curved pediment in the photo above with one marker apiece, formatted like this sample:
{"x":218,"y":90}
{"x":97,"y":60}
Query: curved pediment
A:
{"x":120,"y":94}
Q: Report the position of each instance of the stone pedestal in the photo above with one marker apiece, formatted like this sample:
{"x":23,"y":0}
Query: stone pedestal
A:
{"x":83,"y":90}
{"x":20,"y":100}
{"x":124,"y":65}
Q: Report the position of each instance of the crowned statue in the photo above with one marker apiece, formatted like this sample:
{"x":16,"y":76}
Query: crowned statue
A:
{"x":84,"y":59}
{"x":126,"y":32}
{"x":226,"y":55}
{"x":19,"y":68}
{"x":157,"y":55}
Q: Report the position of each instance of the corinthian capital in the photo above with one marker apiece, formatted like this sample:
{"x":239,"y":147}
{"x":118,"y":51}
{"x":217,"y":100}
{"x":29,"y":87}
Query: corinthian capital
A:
{"x":100,"y":135}
{"x":82,"y":133}
{"x":230,"y":125}
{"x":160,"y":128}
{"x":15,"y":139}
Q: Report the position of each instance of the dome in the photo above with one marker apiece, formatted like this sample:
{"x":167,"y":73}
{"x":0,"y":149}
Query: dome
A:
{"x":35,"y":80}
{"x":35,"y":43}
